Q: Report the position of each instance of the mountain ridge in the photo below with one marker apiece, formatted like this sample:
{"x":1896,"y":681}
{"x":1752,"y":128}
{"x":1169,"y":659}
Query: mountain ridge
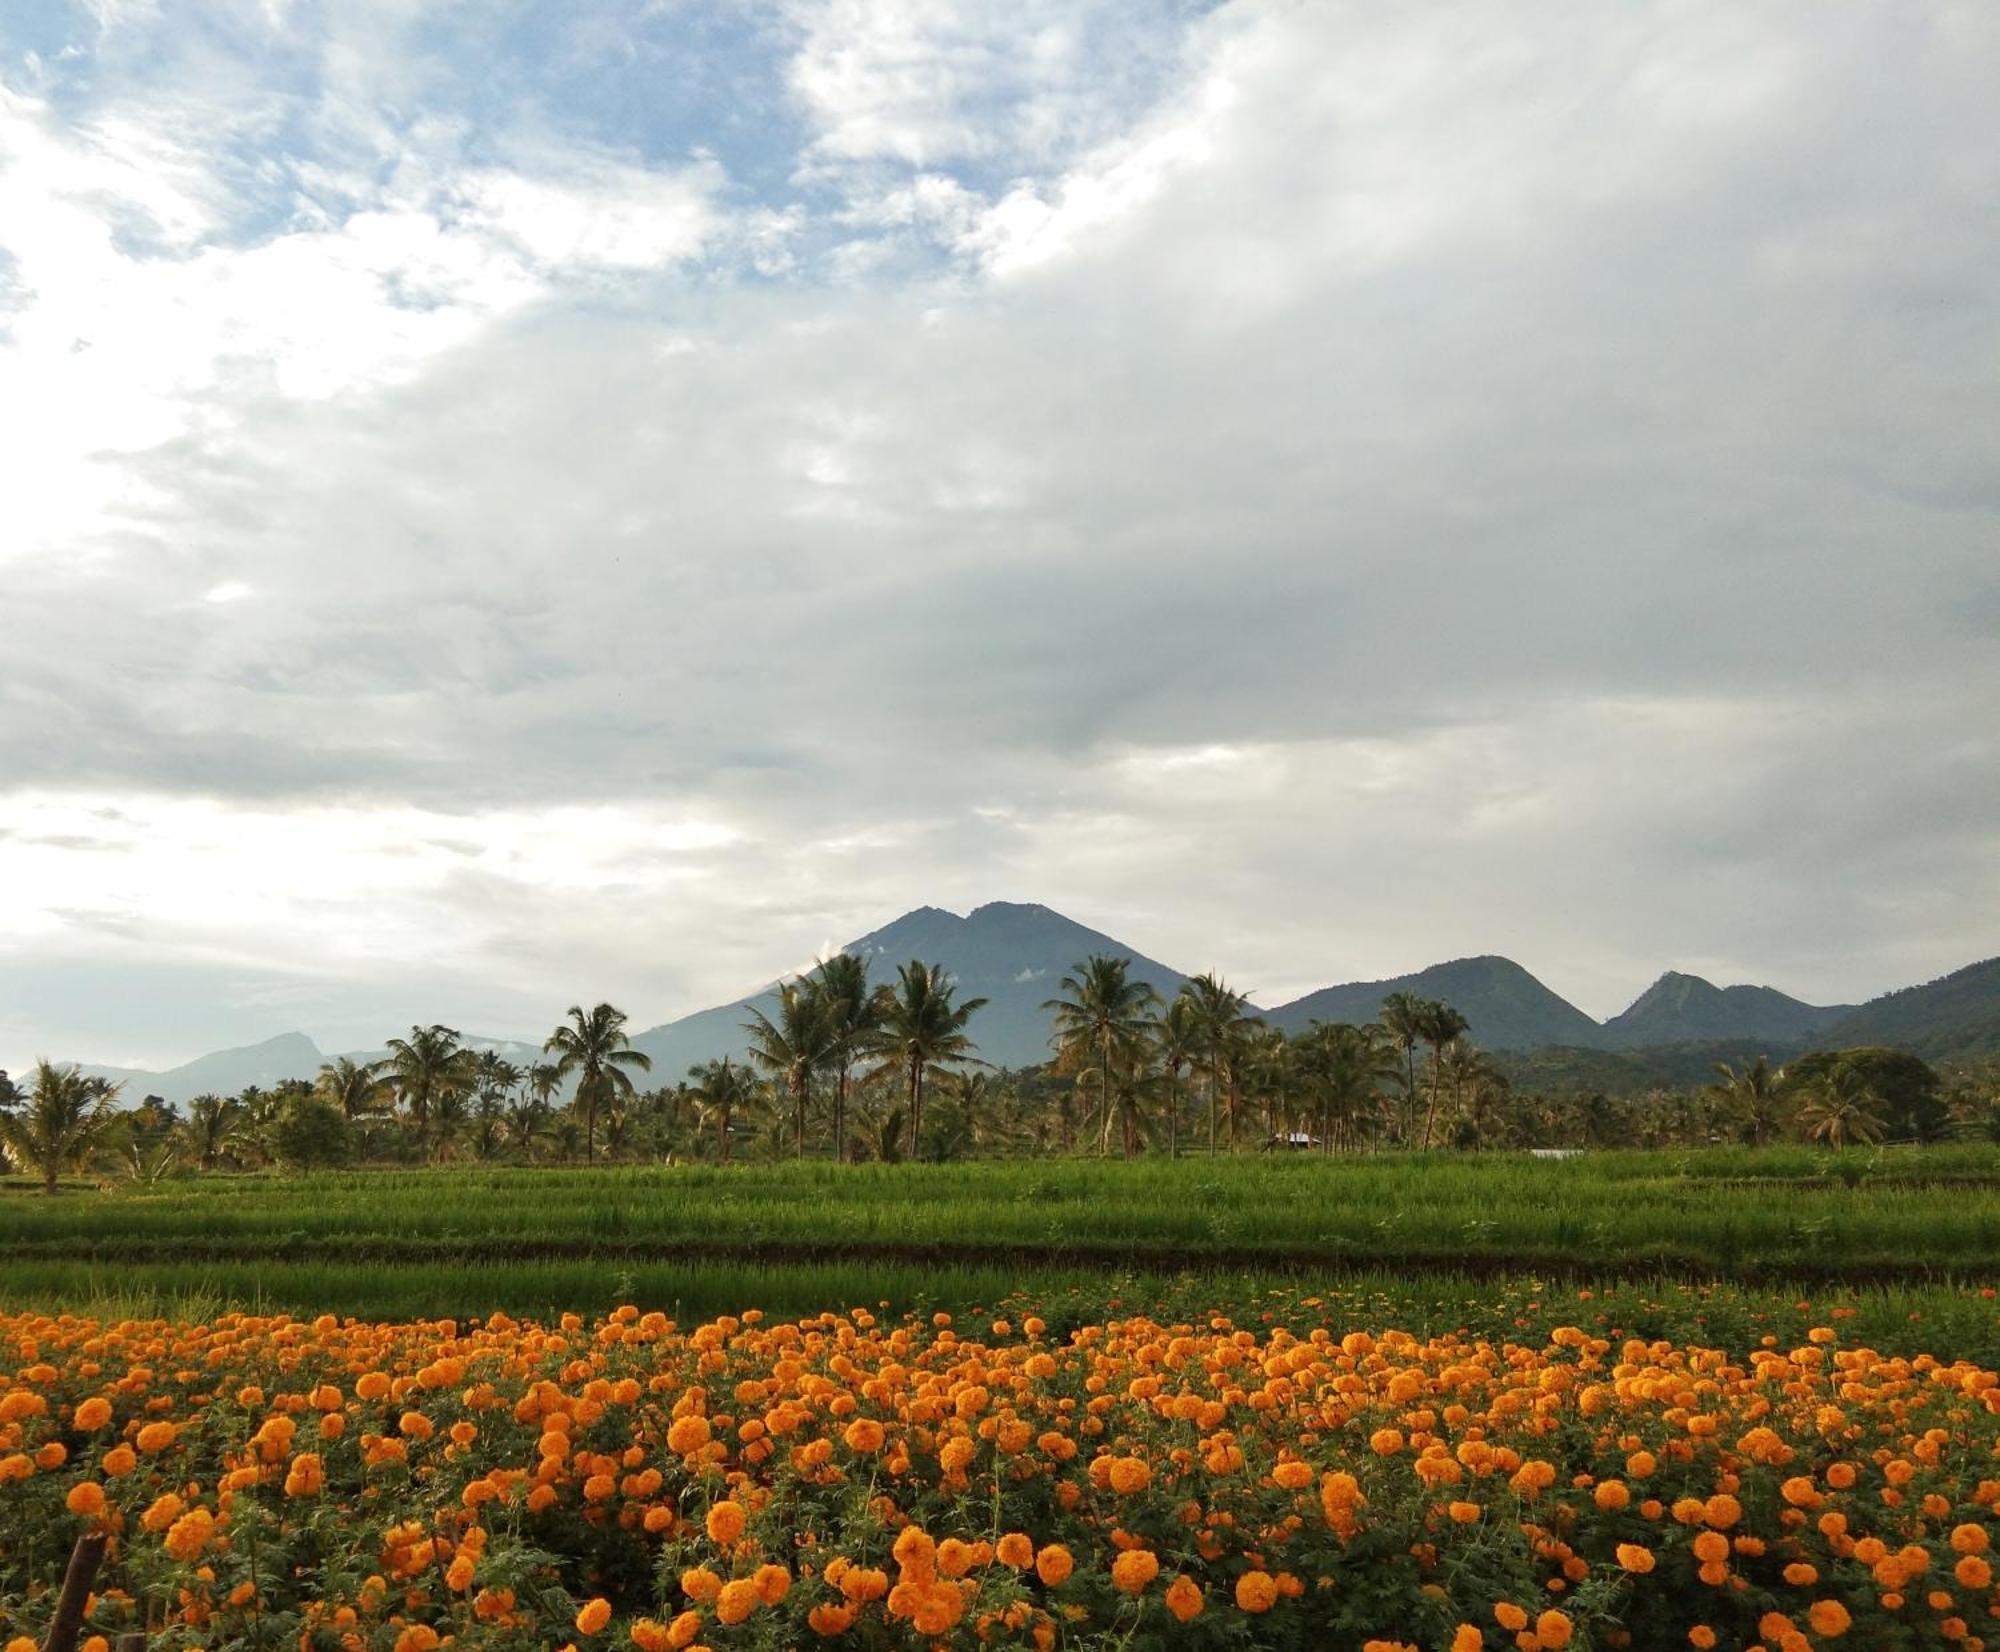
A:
{"x":1015,"y":954}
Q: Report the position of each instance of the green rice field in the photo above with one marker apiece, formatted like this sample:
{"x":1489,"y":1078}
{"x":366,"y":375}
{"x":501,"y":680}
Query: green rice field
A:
{"x":1905,"y":1237}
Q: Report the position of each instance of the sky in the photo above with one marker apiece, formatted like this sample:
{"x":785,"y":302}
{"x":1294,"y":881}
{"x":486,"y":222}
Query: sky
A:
{"x":509,"y":505}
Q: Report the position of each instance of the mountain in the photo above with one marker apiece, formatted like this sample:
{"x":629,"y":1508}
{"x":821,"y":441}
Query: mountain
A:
{"x":1011,"y":954}
{"x":1507,"y":1007}
{"x":1554,"y":1069}
{"x":1685,"y":1009}
{"x":221,"y":1072}
{"x":1951,"y":1018}
{"x":289,"y":1055}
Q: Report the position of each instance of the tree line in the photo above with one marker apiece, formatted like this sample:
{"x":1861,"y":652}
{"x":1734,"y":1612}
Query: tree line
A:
{"x":846,"y":1066}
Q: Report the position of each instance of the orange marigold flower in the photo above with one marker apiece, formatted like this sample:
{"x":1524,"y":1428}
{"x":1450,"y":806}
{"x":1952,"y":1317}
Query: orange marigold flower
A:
{"x":593,"y":1616}
{"x":1054,"y":1564}
{"x":1828,"y":1617}
{"x":725,"y":1521}
{"x":85,"y":1498}
{"x":1134,"y":1570}
{"x":1635,"y":1557}
{"x":1509,"y":1616}
{"x":1130,"y":1474}
{"x":864,"y":1434}
{"x":1468,"y":1638}
{"x":156,"y":1437}
{"x":1016,"y":1549}
{"x":739,"y":1598}
{"x":93,"y":1414}
{"x":1256,"y":1591}
{"x":1184,"y":1598}
{"x":1553,"y":1628}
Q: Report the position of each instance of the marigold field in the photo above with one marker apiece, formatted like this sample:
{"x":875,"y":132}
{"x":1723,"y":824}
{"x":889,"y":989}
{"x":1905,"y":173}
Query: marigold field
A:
{"x":847,"y":1481}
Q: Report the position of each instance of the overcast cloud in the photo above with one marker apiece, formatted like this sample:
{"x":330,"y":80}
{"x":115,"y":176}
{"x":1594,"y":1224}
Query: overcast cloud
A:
{"x":502,"y":510}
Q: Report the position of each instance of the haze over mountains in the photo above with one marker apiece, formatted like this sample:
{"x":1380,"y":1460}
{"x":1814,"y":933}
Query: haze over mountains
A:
{"x":1015,"y":955}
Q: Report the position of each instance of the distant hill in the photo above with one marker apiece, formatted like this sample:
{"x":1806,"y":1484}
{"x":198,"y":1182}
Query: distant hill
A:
{"x":288,"y":1056}
{"x":1951,"y":1018}
{"x":1685,"y":1009}
{"x":222,"y":1072}
{"x":1560,"y":1070}
{"x":1507,"y":1007}
{"x":1013,"y":954}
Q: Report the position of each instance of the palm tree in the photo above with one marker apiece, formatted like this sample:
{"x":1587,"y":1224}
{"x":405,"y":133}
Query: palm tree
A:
{"x":853,"y":1012}
{"x":922,"y":1030}
{"x":357,"y":1088}
{"x":720,"y":1089}
{"x":1105,"y":1009}
{"x":1177,"y":1044}
{"x":1841,"y":1110}
{"x":793,"y":1047}
{"x":1403,"y":1015}
{"x":1753,"y":1095}
{"x":595,"y":1048}
{"x":1344,"y":1068}
{"x":1224,"y":1017}
{"x":1441,"y":1025}
{"x":426,"y":1069}
{"x":211,"y":1129}
{"x":1268,"y":1072}
{"x":65,"y":1121}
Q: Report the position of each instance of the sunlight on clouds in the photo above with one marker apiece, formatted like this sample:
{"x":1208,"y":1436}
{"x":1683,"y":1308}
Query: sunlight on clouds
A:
{"x":193,"y":875}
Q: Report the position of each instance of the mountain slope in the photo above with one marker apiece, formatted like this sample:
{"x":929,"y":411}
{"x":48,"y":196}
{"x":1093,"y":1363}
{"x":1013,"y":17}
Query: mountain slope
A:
{"x":1013,"y":954}
{"x":221,"y":1072}
{"x":1951,"y":1018}
{"x":1685,"y":1009}
{"x":1507,"y":1007}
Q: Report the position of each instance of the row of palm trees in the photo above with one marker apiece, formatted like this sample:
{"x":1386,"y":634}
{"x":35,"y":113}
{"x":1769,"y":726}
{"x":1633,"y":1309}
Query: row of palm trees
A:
{"x":1127,"y":1049}
{"x":1130,"y":1067}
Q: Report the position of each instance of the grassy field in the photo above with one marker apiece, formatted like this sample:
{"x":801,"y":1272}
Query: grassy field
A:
{"x":1290,"y":1344}
{"x":1903,"y":1238}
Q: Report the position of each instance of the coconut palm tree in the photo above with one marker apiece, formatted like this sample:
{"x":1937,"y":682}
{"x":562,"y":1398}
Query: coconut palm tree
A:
{"x":921,"y":1030}
{"x":1754,"y":1097}
{"x":210,"y":1130}
{"x":721,"y":1089}
{"x":1344,"y":1069}
{"x":428,"y":1069}
{"x":1441,"y":1025}
{"x":1403,"y":1017}
{"x":853,"y":1011}
{"x":1224,"y":1017}
{"x":66,"y":1118}
{"x":1105,"y":1011}
{"x":357,"y":1088}
{"x":1177,"y":1045}
{"x":1842,"y":1109}
{"x":594,"y":1047}
{"x":793,"y":1047}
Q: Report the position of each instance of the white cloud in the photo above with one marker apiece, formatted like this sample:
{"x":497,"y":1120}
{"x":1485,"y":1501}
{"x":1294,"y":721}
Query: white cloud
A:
{"x":1378,"y":484}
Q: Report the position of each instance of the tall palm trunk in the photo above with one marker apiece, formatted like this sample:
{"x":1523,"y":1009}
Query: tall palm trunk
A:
{"x":1437,"y":1083}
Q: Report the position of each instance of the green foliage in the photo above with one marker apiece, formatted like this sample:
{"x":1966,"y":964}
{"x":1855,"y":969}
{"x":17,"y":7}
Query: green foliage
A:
{"x":312,"y":1134}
